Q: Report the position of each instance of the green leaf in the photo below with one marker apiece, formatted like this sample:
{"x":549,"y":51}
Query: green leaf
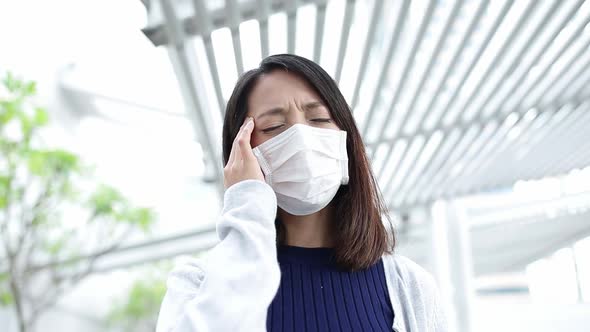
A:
{"x":10,"y":82}
{"x":5,"y":295}
{"x":4,"y":184}
{"x":6,"y":298}
{"x":26,"y":125}
{"x":36,"y":163}
{"x":140,"y":217}
{"x":9,"y":111}
{"x":30,"y":88}
{"x":63,"y":160}
{"x":104,"y":200}
{"x":18,"y":86}
{"x":68,"y":191}
{"x":55,"y":247}
{"x":143,"y":301}
{"x":41,"y":116}
{"x":52,"y":162}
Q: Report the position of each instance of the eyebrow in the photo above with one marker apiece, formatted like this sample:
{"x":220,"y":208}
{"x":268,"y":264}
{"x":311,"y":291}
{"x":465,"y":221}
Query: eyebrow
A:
{"x":278,"y":110}
{"x":272,"y":111}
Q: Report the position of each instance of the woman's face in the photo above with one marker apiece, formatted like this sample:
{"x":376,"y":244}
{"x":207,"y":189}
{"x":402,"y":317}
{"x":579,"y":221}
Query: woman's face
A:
{"x":281,"y":99}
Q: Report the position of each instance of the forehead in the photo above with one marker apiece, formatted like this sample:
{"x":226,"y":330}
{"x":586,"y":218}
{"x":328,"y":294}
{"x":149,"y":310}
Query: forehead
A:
{"x":278,"y":88}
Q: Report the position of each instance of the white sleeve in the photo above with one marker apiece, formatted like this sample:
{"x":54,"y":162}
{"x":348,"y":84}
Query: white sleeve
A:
{"x":439,"y":318}
{"x":426,"y":288}
{"x":231,"y":287}
{"x":416,"y":294}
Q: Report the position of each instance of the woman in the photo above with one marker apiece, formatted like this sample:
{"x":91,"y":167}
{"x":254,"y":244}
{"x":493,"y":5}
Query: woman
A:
{"x":322,"y":259}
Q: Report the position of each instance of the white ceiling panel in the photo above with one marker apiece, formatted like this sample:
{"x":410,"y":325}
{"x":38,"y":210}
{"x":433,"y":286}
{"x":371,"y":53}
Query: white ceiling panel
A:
{"x":452,"y":97}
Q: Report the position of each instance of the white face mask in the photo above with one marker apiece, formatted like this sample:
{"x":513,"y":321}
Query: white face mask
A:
{"x":305,"y":166}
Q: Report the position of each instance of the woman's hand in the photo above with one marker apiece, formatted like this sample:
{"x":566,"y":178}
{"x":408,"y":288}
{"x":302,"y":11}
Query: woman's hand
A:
{"x":242,"y":164}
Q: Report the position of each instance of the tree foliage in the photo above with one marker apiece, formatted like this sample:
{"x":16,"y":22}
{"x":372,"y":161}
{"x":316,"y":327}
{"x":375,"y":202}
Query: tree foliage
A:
{"x":137,"y":310}
{"x":56,"y":221}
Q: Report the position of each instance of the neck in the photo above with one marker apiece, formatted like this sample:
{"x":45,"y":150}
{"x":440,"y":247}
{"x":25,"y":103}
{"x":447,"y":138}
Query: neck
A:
{"x":311,"y":231}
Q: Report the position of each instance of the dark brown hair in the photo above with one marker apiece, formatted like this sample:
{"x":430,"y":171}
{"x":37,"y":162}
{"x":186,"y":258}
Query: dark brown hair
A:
{"x":360,"y":234}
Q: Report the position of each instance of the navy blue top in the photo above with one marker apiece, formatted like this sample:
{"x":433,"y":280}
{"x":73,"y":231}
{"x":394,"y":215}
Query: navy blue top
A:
{"x":315,"y":295}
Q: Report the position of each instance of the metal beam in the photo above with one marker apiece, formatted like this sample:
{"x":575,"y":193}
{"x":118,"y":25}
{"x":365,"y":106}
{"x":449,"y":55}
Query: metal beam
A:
{"x":460,"y":50}
{"x":263,"y":13}
{"x":201,"y":19}
{"x":483,"y":46}
{"x":234,"y":18}
{"x":291,"y":25}
{"x":346,"y":23}
{"x":551,"y":134}
{"x":575,"y":138}
{"x":156,"y":31}
{"x":515,"y":61}
{"x":473,"y":168}
{"x":568,"y":84}
{"x":485,"y":156}
{"x":370,"y":40}
{"x":320,"y":19}
{"x":515,"y":32}
{"x":450,"y":22}
{"x":419,"y":88}
{"x":470,"y":29}
{"x":432,"y":176}
{"x":505,"y":45}
{"x":510,"y":87}
{"x":407,"y":67}
{"x":183,"y":58}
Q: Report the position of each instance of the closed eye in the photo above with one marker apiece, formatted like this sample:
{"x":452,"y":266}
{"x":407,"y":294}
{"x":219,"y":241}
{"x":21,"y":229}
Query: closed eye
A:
{"x":321,"y":120}
{"x":267,"y":130}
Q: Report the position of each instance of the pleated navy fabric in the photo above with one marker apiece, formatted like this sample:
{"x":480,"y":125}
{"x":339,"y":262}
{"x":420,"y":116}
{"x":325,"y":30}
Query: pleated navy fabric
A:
{"x":314,"y":295}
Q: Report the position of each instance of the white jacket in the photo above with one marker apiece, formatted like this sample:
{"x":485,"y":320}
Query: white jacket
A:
{"x":231,"y":288}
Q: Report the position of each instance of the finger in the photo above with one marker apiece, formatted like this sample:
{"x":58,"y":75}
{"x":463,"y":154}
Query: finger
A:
{"x":245,"y":147}
{"x":235,"y":151}
{"x":232,"y":152}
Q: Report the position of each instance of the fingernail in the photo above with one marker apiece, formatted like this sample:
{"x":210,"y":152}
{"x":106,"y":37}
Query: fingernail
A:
{"x":249,"y":123}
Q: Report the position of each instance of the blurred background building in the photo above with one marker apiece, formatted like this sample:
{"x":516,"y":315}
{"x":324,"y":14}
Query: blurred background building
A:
{"x":476,"y":116}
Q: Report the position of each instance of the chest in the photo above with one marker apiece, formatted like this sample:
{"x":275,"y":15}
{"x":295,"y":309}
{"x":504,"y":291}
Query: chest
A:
{"x":312,"y":298}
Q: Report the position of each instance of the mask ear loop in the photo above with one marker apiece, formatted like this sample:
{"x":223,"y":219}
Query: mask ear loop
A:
{"x":264,"y":165}
{"x":344,"y":158}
